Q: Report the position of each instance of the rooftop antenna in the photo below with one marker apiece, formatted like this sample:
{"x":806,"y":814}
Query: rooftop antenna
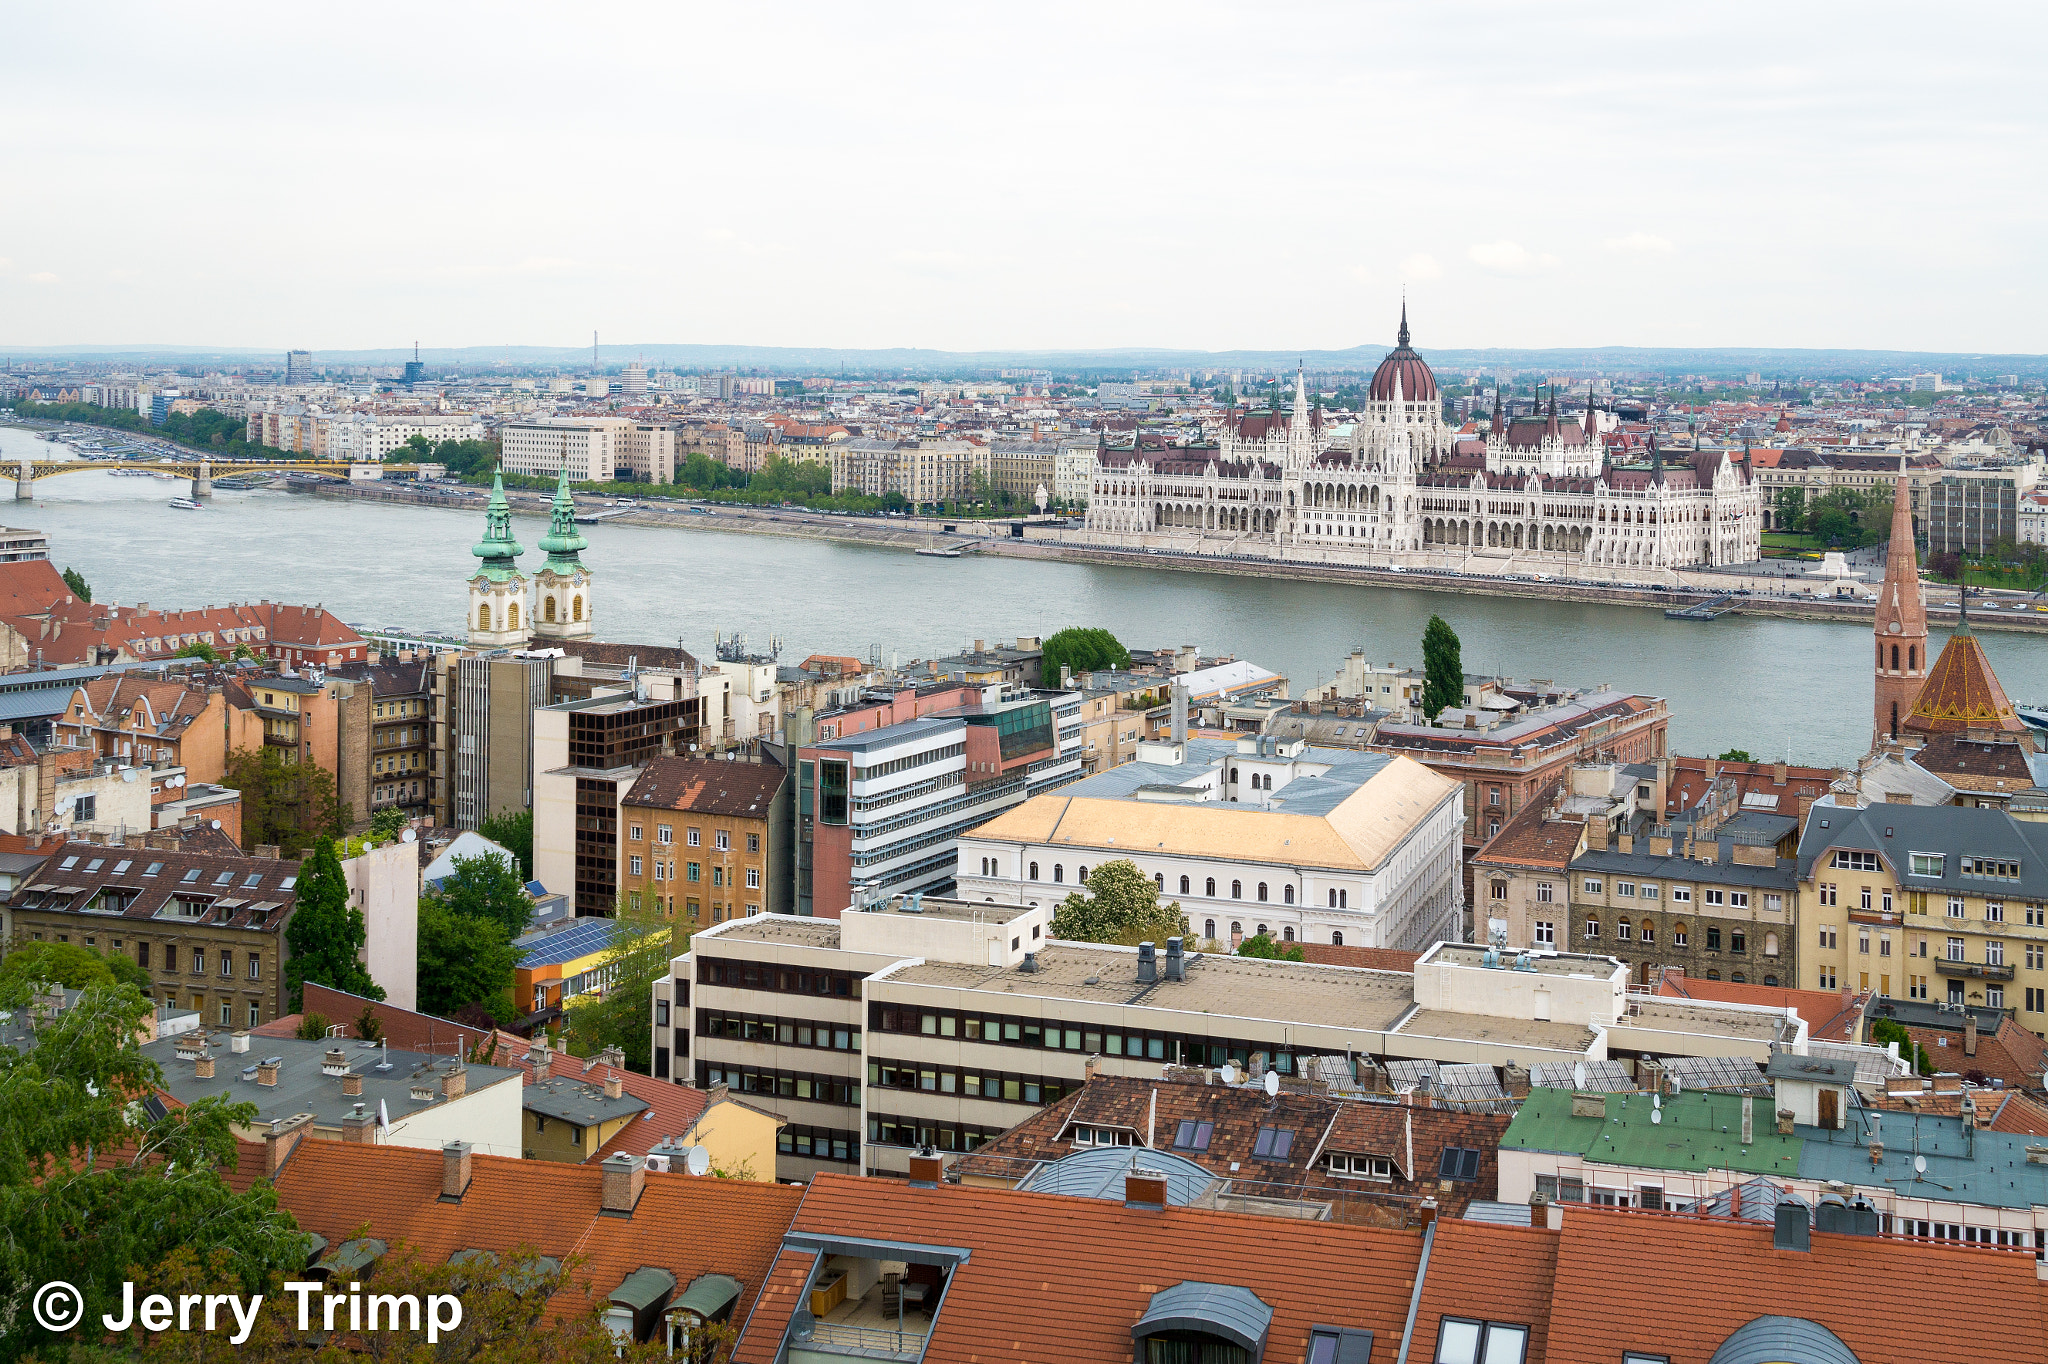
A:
{"x":593,"y":350}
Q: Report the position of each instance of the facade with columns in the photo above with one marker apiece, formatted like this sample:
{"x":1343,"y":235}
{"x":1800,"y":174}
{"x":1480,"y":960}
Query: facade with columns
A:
{"x":1400,"y":487}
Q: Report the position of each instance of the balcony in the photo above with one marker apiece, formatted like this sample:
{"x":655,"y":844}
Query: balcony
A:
{"x":871,"y":1300}
{"x":1973,"y":970}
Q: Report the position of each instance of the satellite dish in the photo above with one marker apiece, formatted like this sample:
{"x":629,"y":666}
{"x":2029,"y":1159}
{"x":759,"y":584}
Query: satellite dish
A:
{"x":698,"y":1162}
{"x":408,"y":837}
{"x":177,"y":781}
{"x":127,"y":774}
{"x":1656,"y":1117}
{"x":1919,"y":1165}
{"x":1272,"y":1083}
{"x":1228,"y":1074}
{"x":1579,"y":1075}
{"x":216,"y":824}
{"x":1656,"y":1102}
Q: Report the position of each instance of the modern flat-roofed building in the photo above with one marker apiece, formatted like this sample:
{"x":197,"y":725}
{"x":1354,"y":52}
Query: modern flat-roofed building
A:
{"x":591,"y":448}
{"x":1250,"y":836}
{"x":953,"y":1020}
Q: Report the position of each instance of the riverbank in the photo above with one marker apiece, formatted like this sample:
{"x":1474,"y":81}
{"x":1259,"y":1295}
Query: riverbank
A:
{"x":991,"y":539}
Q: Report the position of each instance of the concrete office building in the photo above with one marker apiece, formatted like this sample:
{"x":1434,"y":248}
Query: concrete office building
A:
{"x":590,"y":448}
{"x":947,"y":1021}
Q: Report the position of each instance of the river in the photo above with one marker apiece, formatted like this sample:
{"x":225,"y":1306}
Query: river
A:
{"x":1768,"y":686}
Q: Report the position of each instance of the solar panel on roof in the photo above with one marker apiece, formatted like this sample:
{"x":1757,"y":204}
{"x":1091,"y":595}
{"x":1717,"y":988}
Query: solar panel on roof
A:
{"x":1604,"y":1077}
{"x":1731,"y":1073}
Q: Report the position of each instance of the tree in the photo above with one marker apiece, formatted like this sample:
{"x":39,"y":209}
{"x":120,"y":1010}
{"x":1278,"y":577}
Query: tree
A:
{"x":1789,"y":512}
{"x":326,"y":933}
{"x":464,"y":960}
{"x":312,"y":1027}
{"x":71,"y":966}
{"x":1946,"y":565}
{"x":1736,"y":755}
{"x":485,"y":887}
{"x":75,"y":580}
{"x":284,"y":802}
{"x":1443,"y":668}
{"x":513,"y":830}
{"x":387,"y":824}
{"x":92,"y":1185}
{"x":200,"y":649}
{"x":1121,"y":905}
{"x":1887,"y":1030}
{"x":1262,"y":945}
{"x":1083,"y":650}
{"x":642,"y":948}
{"x":369,"y":1027}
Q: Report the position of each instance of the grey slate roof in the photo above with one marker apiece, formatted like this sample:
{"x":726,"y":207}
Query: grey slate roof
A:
{"x":1784,"y":876}
{"x":1895,"y":832}
{"x":578,"y":1101}
{"x":1099,"y":1173}
{"x":302,"y":1087}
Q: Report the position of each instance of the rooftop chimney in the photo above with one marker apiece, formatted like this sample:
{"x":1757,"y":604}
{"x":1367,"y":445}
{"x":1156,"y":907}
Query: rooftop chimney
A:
{"x":1748,"y":1120}
{"x":1176,"y":964}
{"x":1148,"y":964}
{"x":543,"y":1062}
{"x":1179,"y":731}
{"x":455,"y":1083}
{"x":454,"y":1171}
{"x":1969,"y":1034}
{"x":1144,"y":1189}
{"x":283,"y":1136}
{"x":352,"y":1085}
{"x":202,"y":1066}
{"x":614,"y":1087}
{"x":266,"y":1071}
{"x":926,"y":1170}
{"x":238,"y":1042}
{"x":359,"y":1126}
{"x":624,"y":1177}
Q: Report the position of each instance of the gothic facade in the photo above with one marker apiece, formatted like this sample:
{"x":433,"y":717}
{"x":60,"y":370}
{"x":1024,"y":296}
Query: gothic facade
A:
{"x":1400,"y":487}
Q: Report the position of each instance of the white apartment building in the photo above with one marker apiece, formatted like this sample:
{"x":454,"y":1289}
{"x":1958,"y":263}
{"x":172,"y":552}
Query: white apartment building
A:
{"x":595,"y":449}
{"x":369,"y":437}
{"x":925,"y":470}
{"x":1073,"y":470}
{"x":1254,"y":836}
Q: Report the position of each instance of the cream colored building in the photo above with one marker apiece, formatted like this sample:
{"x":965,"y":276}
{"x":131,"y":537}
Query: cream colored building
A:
{"x":592,"y":448}
{"x":1253,"y":836}
{"x":384,"y":883}
{"x":929,"y":469}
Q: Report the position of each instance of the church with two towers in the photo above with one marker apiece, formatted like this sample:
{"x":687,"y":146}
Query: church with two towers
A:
{"x":506,"y":610}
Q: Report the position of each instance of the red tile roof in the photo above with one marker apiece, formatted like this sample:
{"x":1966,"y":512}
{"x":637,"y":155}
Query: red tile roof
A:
{"x":685,"y":1225}
{"x":1056,"y":1278}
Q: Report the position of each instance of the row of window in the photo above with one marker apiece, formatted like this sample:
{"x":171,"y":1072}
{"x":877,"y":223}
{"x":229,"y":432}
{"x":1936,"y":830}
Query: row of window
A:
{"x":782,"y":1032}
{"x":818,"y":1143}
{"x":735,"y":974}
{"x":1261,"y":893}
{"x":1719,"y":897}
{"x":693,"y":872}
{"x":888,"y":1130}
{"x":721,"y":839}
{"x":1000,"y":1086}
{"x":1083,"y":1039}
{"x":1646,"y":933}
{"x":782,"y":1084}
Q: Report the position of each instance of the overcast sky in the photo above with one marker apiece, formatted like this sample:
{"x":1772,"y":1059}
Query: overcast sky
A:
{"x":972,"y":176}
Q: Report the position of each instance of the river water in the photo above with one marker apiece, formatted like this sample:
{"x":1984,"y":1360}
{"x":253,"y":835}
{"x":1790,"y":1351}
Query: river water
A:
{"x":1740,"y":682}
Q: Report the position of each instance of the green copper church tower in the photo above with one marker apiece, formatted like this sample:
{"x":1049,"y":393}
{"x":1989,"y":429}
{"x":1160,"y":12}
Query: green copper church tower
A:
{"x":562,"y":600}
{"x":497,"y":590}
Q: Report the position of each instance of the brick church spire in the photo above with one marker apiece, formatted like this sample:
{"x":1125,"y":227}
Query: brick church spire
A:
{"x":1901,"y":623}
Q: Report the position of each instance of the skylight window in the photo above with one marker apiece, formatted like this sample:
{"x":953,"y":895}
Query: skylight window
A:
{"x":67,"y":864}
{"x":191,"y":876}
{"x":288,"y":883}
{"x":154,"y":868}
{"x":252,"y":880}
{"x":96,"y":864}
{"x":1274,"y":1143}
{"x":1458,"y":1162}
{"x":226,"y":878}
{"x":121,"y":867}
{"x":1193,"y":1135}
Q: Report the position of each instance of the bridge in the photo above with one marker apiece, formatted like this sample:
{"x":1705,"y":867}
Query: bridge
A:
{"x":200,"y":471}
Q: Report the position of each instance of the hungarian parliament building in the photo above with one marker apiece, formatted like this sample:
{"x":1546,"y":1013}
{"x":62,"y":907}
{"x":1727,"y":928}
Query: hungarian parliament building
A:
{"x":1400,"y":487}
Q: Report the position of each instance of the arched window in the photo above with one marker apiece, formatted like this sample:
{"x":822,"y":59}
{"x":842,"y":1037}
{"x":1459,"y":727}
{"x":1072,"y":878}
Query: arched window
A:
{"x":1262,"y":892}
{"x":1336,"y":940}
{"x":1770,"y":980}
{"x":1287,"y":935}
{"x":1209,"y":888}
{"x":1713,"y":975}
{"x":512,"y":616}
{"x":1912,"y":656}
{"x":1770,"y":944}
{"x":483,"y":617}
{"x":576,"y":608}
{"x":1738,"y":978}
{"x":1209,"y":929}
{"x":1233,"y":776}
{"x":1059,"y":872}
{"x":1034,"y":871}
{"x":1237,"y":890}
{"x":1081,"y":876}
{"x":1333,"y":899}
{"x":1159,"y":879}
{"x":1236,"y":929}
{"x":1895,"y":658}
{"x":1184,"y":888}
{"x":1343,"y":899}
{"x":547,"y":607}
{"x":1262,"y":930}
{"x":1287,"y":895}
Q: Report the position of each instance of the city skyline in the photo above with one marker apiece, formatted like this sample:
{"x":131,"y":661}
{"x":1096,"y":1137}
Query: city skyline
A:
{"x":1193,"y":179}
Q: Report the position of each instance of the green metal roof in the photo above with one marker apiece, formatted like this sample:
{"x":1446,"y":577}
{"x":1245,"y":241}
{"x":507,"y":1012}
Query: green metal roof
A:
{"x":563,"y":542}
{"x":1693,"y":1132}
{"x":709,"y":1295}
{"x":498,"y":550}
{"x":643,"y":1288}
{"x":353,"y":1256}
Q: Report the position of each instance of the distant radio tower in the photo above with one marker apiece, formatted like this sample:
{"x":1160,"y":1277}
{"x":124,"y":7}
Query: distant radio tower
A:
{"x":593,"y":350}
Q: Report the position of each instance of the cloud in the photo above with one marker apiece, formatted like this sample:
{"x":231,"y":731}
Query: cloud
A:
{"x":1510,"y":258}
{"x":1421,"y":267}
{"x":1359,"y":274}
{"x":42,"y":277}
{"x":1644,"y":243}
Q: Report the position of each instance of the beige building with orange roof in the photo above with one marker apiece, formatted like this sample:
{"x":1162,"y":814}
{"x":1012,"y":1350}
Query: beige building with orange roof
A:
{"x":1252,"y":836}
{"x":156,"y":723}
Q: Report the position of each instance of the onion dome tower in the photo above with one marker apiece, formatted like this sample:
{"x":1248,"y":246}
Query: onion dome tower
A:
{"x":497,"y":591}
{"x":562,"y":587}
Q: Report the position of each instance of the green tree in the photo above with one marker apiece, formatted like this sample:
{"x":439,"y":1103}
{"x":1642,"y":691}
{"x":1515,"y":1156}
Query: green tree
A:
{"x":284,"y":802}
{"x":1262,"y":945}
{"x":1736,"y":755}
{"x":1119,"y":904}
{"x":72,"y":966}
{"x":1790,"y":509}
{"x":91,"y":1186}
{"x":484,"y":887}
{"x":1886,"y":1031}
{"x":387,"y":824}
{"x":464,"y":960}
{"x":75,"y":580}
{"x":1083,"y":650}
{"x":326,"y":933}
{"x":1443,"y":668}
{"x":642,"y":948}
{"x":199,"y":648}
{"x":513,"y":830}
{"x":369,"y":1027}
